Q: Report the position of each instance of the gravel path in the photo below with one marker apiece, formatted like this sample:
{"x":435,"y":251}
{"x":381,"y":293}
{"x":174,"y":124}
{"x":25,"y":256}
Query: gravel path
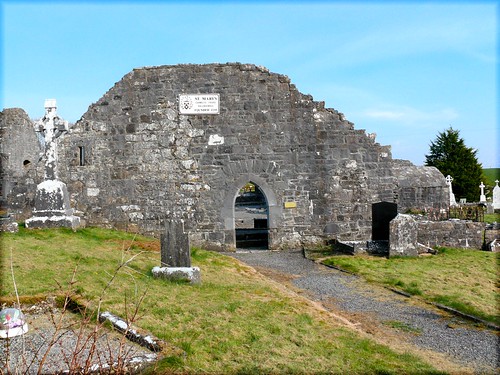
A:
{"x":25,"y":354}
{"x":357,"y":301}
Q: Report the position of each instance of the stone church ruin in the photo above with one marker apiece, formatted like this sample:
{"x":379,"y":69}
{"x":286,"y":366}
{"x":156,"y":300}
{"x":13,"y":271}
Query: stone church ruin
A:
{"x":182,"y":142}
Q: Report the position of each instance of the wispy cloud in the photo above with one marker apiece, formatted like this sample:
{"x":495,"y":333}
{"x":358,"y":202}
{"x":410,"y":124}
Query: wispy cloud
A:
{"x":416,"y":31}
{"x":410,"y":116}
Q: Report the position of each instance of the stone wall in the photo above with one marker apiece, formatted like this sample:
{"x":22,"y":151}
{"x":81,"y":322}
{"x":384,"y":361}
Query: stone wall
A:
{"x":451,"y":233}
{"x":20,"y":166}
{"x":145,"y":162}
{"x":133,"y":161}
{"x":420,"y":187}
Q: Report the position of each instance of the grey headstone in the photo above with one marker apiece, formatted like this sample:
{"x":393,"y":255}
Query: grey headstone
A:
{"x":52,"y":205}
{"x":403,"y":236}
{"x":175,"y":245}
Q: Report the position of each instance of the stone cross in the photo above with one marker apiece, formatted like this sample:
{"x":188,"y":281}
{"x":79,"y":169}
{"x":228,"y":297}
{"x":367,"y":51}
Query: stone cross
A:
{"x":482,"y":198}
{"x":449,"y":179}
{"x":52,"y":207}
{"x":51,"y":127}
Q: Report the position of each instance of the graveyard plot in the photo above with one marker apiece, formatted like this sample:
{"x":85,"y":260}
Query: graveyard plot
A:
{"x":235,"y":321}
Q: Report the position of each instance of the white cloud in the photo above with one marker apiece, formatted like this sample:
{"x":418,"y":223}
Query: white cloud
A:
{"x":411,"y":116}
{"x":416,"y":30}
{"x":386,"y":115}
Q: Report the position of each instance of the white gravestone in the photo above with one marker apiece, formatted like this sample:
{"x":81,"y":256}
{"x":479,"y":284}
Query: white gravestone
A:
{"x":482,"y":198}
{"x":496,"y":196}
{"x":449,"y":179}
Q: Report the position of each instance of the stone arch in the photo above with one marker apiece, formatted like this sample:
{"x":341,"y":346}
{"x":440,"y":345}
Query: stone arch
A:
{"x":251,"y":217}
{"x":228,"y":213}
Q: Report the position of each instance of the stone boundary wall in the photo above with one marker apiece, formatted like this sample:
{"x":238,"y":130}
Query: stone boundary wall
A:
{"x":451,"y":233}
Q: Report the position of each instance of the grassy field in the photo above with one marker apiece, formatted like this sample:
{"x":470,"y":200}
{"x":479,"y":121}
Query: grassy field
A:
{"x":492,"y":218}
{"x":491,"y":174}
{"x":466,"y":280}
{"x":236,"y":321}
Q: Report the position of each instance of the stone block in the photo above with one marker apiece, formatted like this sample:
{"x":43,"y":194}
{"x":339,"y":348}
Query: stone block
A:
{"x":377,"y":248}
{"x":52,"y":199}
{"x":45,"y":222}
{"x":7,"y":224}
{"x":189,"y":274}
{"x":52,"y":209}
{"x":403,"y":233}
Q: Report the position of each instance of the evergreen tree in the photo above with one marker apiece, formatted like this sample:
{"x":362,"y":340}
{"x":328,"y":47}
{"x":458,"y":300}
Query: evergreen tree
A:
{"x":451,"y":156}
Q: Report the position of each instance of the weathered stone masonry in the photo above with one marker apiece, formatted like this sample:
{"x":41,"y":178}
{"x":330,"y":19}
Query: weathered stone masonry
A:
{"x":133,"y":161}
{"x":20,"y":166}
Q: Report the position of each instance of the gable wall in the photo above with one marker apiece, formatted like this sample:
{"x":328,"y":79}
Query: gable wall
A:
{"x":145,"y":162}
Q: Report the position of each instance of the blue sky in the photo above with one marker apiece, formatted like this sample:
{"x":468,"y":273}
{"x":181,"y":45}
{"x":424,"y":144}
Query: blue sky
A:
{"x":403,"y":70}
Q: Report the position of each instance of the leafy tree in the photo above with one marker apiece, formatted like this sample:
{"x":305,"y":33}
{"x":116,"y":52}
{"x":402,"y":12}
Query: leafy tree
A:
{"x":451,"y":156}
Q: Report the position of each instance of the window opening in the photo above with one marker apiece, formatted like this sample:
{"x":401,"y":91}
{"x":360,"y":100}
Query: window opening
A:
{"x":81,"y":157}
{"x":251,"y":218}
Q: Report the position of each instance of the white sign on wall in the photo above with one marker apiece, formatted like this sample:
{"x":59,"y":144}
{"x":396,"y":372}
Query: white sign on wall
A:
{"x":199,"y":104}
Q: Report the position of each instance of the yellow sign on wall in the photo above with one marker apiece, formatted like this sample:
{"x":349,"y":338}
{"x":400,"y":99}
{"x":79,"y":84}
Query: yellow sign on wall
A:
{"x":290,"y":204}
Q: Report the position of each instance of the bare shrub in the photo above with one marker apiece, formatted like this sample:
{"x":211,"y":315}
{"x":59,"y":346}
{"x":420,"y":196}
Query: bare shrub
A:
{"x":74,"y":343}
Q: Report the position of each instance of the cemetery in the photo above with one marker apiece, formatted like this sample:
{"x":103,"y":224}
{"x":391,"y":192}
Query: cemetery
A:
{"x":222,"y":157}
{"x":158,"y":147}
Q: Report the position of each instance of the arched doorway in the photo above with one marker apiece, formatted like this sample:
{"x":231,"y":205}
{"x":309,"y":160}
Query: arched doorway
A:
{"x":251,"y":218}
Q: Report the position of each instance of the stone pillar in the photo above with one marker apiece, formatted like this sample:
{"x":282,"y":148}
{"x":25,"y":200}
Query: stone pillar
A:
{"x":51,"y":126}
{"x":403,"y":236}
{"x":175,"y":250}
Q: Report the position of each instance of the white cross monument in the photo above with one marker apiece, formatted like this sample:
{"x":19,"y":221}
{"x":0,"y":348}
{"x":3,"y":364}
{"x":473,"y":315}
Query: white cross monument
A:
{"x":482,"y":198}
{"x":52,"y":208}
{"x":449,"y":179}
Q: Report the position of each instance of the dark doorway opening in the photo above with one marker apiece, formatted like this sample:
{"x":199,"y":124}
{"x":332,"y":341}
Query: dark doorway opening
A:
{"x":382,"y":214}
{"x":251,"y":218}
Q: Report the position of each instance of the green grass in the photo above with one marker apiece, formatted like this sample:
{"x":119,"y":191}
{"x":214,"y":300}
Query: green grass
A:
{"x":235,"y":321}
{"x":492,"y":218}
{"x":491,"y":174}
{"x":466,"y":280}
{"x":402,"y":326}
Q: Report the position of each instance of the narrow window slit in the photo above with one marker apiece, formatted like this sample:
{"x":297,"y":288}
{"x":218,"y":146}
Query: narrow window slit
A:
{"x":81,"y":155}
